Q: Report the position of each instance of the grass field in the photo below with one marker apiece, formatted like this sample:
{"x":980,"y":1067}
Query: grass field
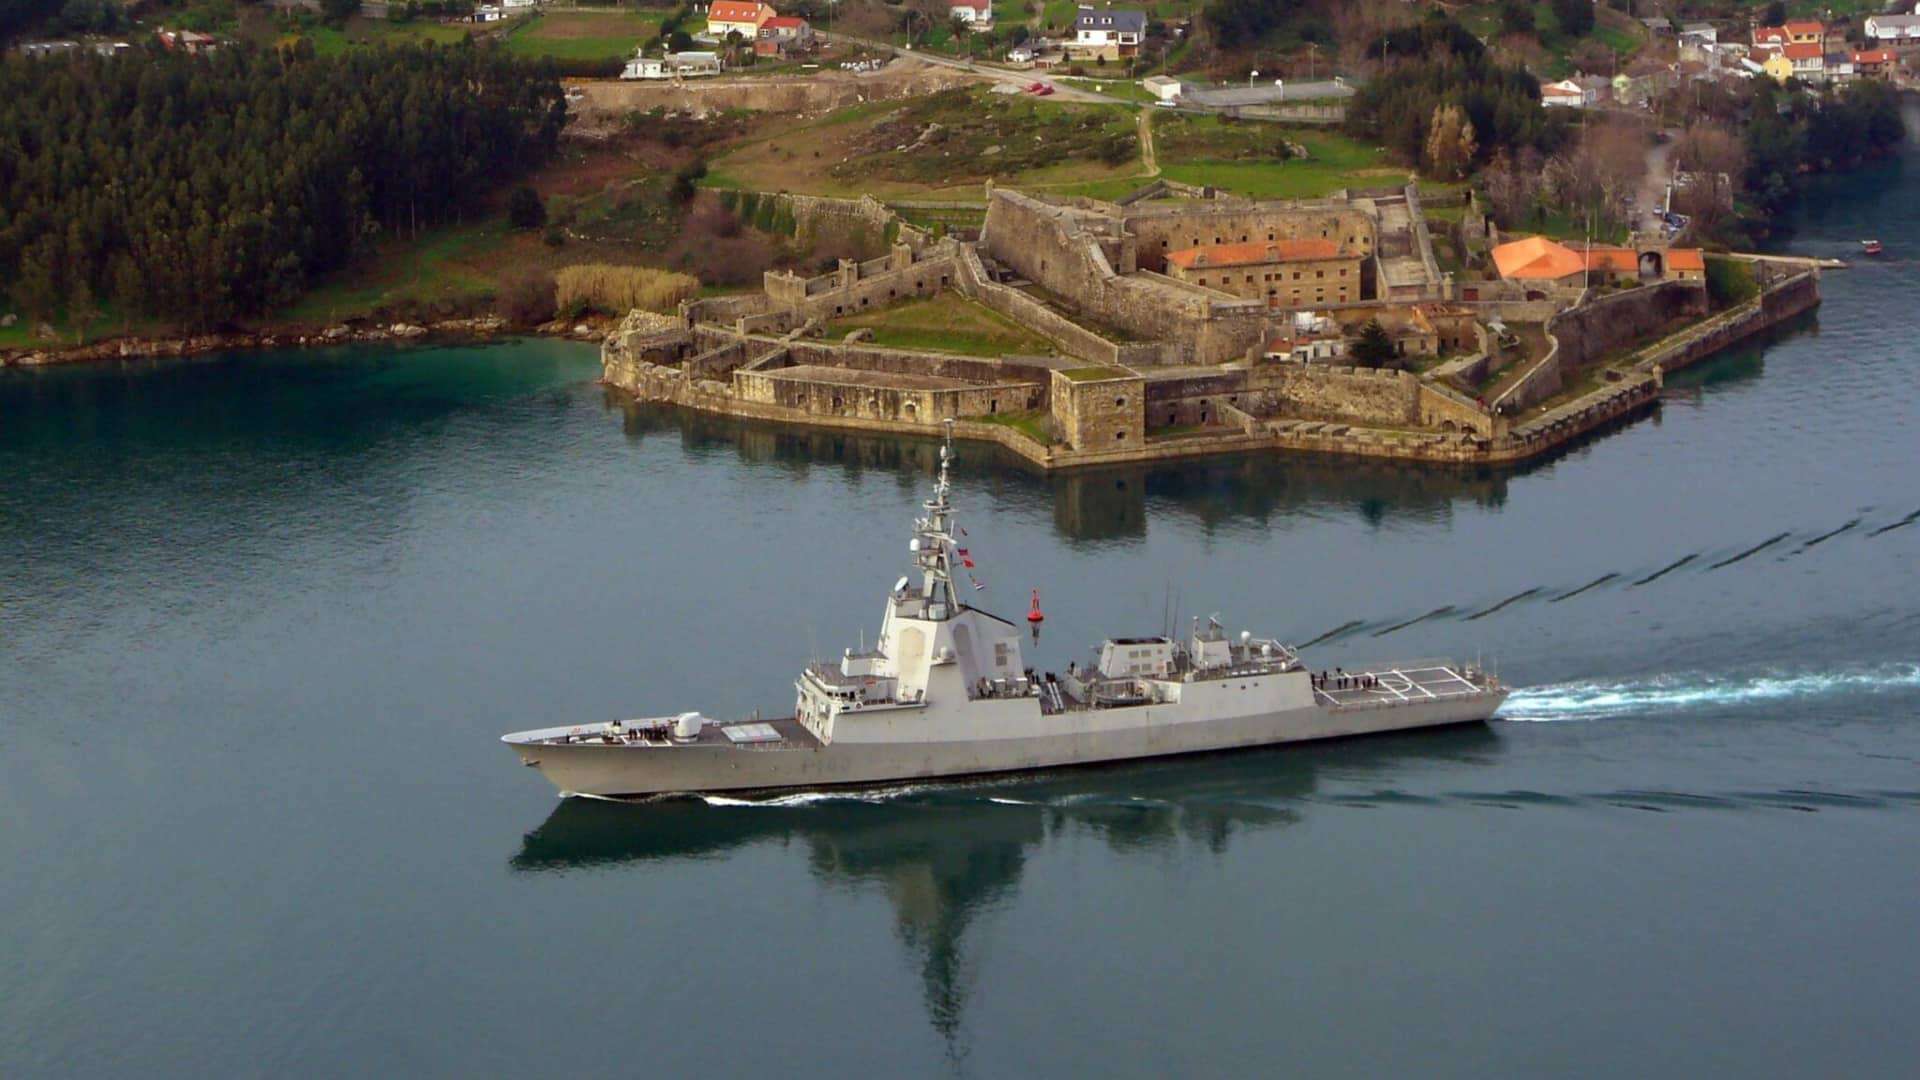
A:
{"x":1034,"y":425}
{"x":331,"y":41}
{"x":584,"y":35}
{"x":943,"y":145}
{"x":948,"y":322}
{"x":438,"y":267}
{"x":1247,"y":159}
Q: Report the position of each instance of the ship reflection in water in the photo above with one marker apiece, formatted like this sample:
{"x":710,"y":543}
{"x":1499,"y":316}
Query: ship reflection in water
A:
{"x":944,"y":855}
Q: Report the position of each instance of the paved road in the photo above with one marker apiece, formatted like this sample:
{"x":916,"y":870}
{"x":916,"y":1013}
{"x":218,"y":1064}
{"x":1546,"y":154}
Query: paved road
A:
{"x":1653,"y":188}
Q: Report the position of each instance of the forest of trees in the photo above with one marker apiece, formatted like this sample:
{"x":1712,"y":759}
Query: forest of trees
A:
{"x":1439,"y":75}
{"x":198,"y":189}
{"x":1788,"y":132}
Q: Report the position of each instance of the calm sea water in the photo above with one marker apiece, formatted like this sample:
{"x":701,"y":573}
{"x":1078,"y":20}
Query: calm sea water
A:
{"x":262,"y":618}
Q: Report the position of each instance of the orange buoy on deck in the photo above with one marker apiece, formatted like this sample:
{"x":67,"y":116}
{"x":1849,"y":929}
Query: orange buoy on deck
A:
{"x":1035,"y":615}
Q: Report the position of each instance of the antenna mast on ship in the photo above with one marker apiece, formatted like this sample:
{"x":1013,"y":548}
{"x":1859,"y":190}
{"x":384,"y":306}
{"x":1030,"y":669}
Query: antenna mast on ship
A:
{"x":933,"y":541}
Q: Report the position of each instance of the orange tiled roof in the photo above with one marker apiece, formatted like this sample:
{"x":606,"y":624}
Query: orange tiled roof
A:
{"x":1803,"y":50}
{"x":1805,"y":26}
{"x":737,"y":11}
{"x":1253,"y":253}
{"x":1873,"y":56}
{"x":1686,"y":259}
{"x":1536,"y":258}
{"x":1769,"y":33}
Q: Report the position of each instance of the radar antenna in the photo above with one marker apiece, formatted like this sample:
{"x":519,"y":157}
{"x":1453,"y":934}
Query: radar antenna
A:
{"x":933,"y":546}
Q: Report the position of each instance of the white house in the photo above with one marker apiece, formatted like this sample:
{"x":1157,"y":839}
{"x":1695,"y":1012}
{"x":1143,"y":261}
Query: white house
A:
{"x":1565,"y":94}
{"x":737,"y":16}
{"x":975,"y":13}
{"x":1109,"y":32}
{"x":1894,"y":30}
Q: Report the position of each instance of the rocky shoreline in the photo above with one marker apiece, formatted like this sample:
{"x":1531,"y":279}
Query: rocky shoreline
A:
{"x":444,"y":331}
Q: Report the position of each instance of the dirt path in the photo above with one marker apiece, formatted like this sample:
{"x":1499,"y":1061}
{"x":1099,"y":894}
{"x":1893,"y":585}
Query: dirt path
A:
{"x":1149,"y":161}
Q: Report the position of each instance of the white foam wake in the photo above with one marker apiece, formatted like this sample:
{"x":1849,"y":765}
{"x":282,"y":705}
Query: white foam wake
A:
{"x":1691,"y":690}
{"x":808,"y":798}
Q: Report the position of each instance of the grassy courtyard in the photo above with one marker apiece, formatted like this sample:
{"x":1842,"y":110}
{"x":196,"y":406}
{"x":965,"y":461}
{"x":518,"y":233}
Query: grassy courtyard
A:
{"x":947,"y":322}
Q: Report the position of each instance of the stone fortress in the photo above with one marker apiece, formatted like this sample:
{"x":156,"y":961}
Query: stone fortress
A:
{"x":1181,"y":321}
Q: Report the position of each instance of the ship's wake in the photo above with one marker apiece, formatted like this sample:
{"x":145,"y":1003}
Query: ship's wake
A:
{"x":1695,"y":690}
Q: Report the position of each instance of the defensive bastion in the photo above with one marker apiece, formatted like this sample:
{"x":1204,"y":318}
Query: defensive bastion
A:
{"x":1142,"y":366}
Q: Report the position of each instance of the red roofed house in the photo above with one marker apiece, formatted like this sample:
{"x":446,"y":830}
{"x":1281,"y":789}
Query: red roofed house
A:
{"x":737,"y":16}
{"x":1286,"y":273}
{"x":782,"y":34}
{"x":1805,"y":32}
{"x":975,"y":13}
{"x":1875,"y":63}
{"x":1809,"y":60}
{"x":1770,"y":35}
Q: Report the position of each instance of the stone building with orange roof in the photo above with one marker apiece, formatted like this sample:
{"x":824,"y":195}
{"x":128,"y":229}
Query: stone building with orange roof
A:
{"x":1538,"y":261}
{"x":1289,"y":273}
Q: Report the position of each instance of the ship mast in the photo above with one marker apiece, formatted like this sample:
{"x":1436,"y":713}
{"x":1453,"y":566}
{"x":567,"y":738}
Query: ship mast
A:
{"x":933,"y":542}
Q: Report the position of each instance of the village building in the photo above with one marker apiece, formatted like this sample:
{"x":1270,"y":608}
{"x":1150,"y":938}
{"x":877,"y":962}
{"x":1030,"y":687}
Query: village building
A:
{"x":1565,"y":94}
{"x":1310,"y":338}
{"x":780,"y":35}
{"x":1805,"y":32}
{"x":683,"y":65}
{"x":975,"y":13}
{"x":1285,"y":273}
{"x":1796,"y":60}
{"x":1875,"y":63}
{"x":1162,"y":87}
{"x":1900,"y":32}
{"x":737,"y":17}
{"x":1108,"y":34}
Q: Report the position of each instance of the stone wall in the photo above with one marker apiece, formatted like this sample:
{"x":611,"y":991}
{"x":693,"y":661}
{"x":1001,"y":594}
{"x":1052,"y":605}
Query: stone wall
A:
{"x":1072,"y":338}
{"x":1448,"y":410}
{"x":1099,"y":413}
{"x":1320,"y":392}
{"x":1159,"y":230}
{"x":1580,"y":335}
{"x":1603,"y":325}
{"x":878,"y":401}
{"x":911,"y":362}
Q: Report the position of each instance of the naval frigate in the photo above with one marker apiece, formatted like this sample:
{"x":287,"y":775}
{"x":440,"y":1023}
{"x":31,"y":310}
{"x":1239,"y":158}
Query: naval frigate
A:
{"x":944,"y":693}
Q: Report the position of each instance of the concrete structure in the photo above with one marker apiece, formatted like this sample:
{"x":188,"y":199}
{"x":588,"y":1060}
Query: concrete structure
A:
{"x":1162,"y":87}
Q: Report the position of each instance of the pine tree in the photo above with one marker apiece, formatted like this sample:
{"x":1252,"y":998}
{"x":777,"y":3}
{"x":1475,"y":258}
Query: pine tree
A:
{"x":1373,"y":347}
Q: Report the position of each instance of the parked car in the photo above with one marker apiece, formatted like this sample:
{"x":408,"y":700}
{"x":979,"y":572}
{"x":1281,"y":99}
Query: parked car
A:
{"x":1040,"y":89}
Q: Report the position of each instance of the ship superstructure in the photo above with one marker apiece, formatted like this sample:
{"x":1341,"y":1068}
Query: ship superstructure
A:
{"x":945,"y":692}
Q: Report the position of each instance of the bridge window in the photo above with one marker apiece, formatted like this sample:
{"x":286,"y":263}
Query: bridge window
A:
{"x":1119,"y":436}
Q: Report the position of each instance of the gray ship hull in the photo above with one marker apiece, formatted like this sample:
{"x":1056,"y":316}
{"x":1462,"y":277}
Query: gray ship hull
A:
{"x":626,"y":771}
